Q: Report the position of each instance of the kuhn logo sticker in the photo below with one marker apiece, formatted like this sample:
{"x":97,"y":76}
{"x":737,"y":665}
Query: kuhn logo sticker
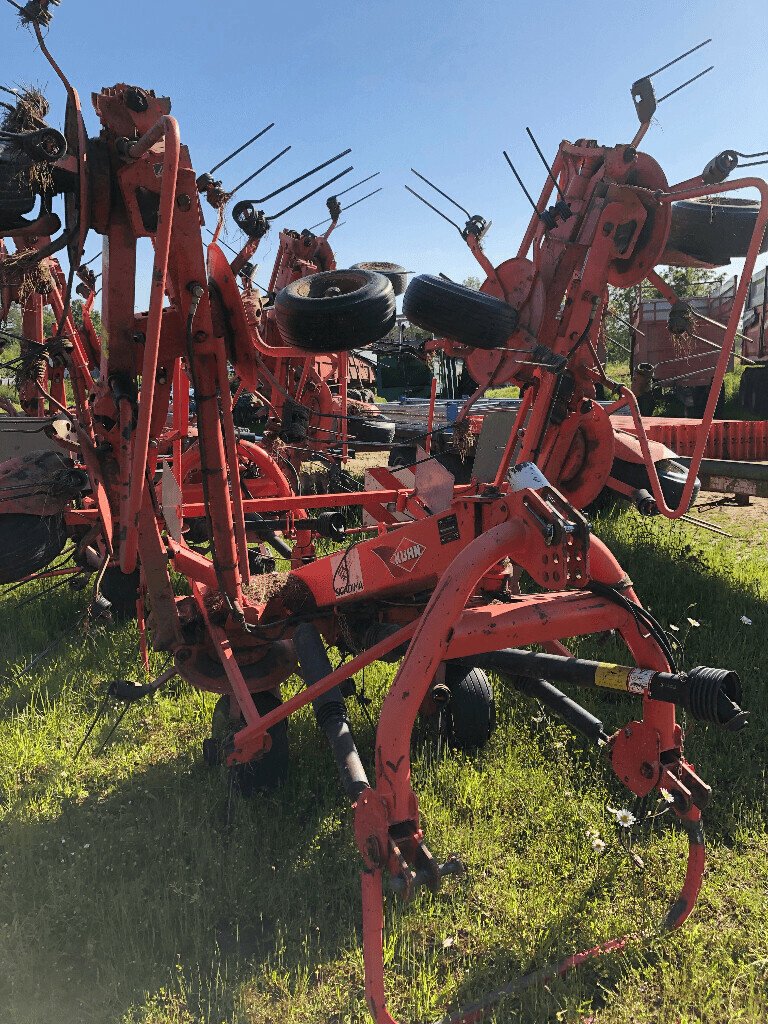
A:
{"x":407,"y":554}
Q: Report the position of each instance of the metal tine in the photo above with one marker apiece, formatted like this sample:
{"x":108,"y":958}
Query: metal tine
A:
{"x":687,"y":53}
{"x":309,"y":195}
{"x":245,"y":145}
{"x":347,"y":207}
{"x":707,"y":526}
{"x":262,"y":168}
{"x":618,"y":344}
{"x":301,"y":177}
{"x":520,"y":183}
{"x":717,"y":323}
{"x":363,"y":181}
{"x":750,"y":156}
{"x":90,"y":261}
{"x":626,"y":323}
{"x":222,"y":242}
{"x":690,"y":80}
{"x":236,"y":253}
{"x":445,"y":195}
{"x":543,"y":160}
{"x":111,"y":732}
{"x":435,"y":209}
{"x":94,"y":723}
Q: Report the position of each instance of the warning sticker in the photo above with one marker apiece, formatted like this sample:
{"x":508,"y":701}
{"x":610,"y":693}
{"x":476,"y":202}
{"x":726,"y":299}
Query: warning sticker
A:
{"x":639,"y":679}
{"x":448,"y":528}
{"x":347,"y":573}
{"x":526,"y":474}
{"x":407,"y":554}
{"x":614,"y":677}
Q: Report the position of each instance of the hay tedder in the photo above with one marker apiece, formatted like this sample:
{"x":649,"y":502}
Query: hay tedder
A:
{"x":433,"y":576}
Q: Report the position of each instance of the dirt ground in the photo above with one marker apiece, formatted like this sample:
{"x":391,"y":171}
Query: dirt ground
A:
{"x":754,"y":515}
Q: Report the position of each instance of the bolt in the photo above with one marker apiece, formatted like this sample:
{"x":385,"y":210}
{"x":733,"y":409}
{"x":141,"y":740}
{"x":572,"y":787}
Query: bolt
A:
{"x":138,"y":337}
{"x":646,"y":770}
{"x":183,"y":202}
{"x":201,"y":335}
{"x":607,"y":228}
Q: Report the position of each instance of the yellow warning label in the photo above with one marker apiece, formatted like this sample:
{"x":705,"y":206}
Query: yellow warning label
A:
{"x":612,"y":676}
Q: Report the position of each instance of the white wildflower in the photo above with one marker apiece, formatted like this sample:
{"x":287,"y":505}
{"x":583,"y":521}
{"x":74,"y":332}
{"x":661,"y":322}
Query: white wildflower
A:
{"x":623,"y":817}
{"x":667,"y":796}
{"x":747,"y":621}
{"x":693,"y":622}
{"x":598,"y":845}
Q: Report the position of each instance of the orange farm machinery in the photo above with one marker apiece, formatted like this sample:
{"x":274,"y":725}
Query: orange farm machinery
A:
{"x":433,"y":577}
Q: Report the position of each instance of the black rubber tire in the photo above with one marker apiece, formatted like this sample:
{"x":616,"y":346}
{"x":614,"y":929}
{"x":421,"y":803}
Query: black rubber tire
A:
{"x":700,"y":398}
{"x":372,"y":431}
{"x":401,"y":457}
{"x":363,"y":311}
{"x":714,"y":230}
{"x":453,"y":311}
{"x":248,"y":412}
{"x":396,"y":275}
{"x":28,"y":544}
{"x":461,"y":471}
{"x":753,"y":390}
{"x":121,"y":590}
{"x":672,"y":480}
{"x":262,"y":774}
{"x":404,"y":457}
{"x":647,"y":403}
{"x":471,"y":711}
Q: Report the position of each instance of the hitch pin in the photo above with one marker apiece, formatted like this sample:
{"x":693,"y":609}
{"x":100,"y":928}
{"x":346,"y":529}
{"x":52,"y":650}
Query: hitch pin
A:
{"x":547,"y":528}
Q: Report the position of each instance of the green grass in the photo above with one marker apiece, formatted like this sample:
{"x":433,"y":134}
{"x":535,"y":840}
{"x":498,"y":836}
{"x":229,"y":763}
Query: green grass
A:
{"x":127,"y":896}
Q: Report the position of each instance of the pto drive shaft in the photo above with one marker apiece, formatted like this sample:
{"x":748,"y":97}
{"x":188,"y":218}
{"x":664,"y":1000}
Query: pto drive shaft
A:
{"x":330,"y":709}
{"x":708,"y":694}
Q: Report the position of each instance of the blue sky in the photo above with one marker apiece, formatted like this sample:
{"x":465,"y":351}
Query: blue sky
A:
{"x":442,"y":87}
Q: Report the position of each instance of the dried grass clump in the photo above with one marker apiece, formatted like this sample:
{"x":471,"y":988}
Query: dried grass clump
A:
{"x":28,"y":115}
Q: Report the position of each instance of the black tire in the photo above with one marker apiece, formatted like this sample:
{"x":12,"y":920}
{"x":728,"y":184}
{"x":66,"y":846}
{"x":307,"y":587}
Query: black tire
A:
{"x":121,"y":590}
{"x":753,"y":390}
{"x":248,"y":412}
{"x":373,"y":431}
{"x":28,"y":544}
{"x":359,"y":310}
{"x":262,"y":774}
{"x":453,"y":311}
{"x":404,"y":457}
{"x":471,"y":711}
{"x":401,"y":457}
{"x":396,"y":275}
{"x":700,"y":398}
{"x":460,"y":470}
{"x":647,"y":403}
{"x":714,"y":230}
{"x":672,"y":477}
